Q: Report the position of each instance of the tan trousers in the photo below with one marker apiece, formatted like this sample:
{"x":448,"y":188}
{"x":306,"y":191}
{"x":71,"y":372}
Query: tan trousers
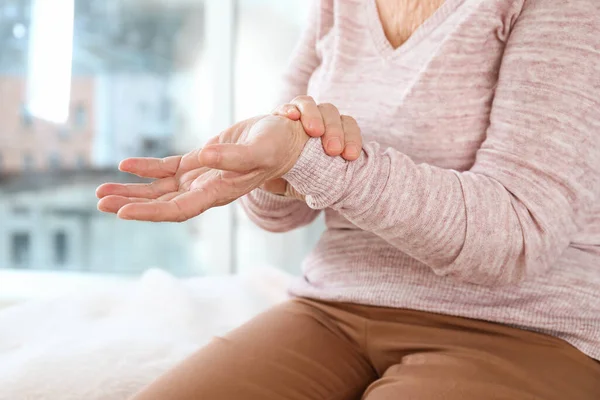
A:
{"x":308,"y":350}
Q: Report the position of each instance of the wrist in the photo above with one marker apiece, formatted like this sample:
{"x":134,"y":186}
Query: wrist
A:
{"x":319,"y":178}
{"x":280,"y":187}
{"x":292,"y":193}
{"x":300,"y":138}
{"x":297,"y":141}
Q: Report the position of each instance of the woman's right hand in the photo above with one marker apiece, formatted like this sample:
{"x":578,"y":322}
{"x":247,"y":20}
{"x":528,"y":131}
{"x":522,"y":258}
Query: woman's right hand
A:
{"x":339,"y":134}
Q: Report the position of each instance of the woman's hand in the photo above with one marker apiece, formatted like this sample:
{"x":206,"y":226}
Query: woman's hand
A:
{"x":231,"y":165}
{"x":339,"y":134}
{"x":325,"y":121}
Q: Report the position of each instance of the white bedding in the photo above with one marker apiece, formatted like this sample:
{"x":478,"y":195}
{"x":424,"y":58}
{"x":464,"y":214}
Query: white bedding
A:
{"x":108,"y":343}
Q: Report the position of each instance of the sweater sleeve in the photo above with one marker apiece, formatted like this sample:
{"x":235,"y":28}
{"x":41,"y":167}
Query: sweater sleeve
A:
{"x":276,"y":213}
{"x":535,"y":179}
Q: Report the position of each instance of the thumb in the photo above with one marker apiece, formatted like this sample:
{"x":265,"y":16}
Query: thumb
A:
{"x":229,"y":157}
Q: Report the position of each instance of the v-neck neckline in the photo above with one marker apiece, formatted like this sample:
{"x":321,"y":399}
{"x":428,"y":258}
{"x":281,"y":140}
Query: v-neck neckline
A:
{"x":382,"y":42}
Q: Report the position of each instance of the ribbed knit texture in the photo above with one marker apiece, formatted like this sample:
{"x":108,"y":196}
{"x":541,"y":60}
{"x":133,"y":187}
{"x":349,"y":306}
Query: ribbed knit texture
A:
{"x":477,"y":191}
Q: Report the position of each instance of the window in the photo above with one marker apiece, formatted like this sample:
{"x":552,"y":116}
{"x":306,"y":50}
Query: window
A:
{"x":19,"y":31}
{"x":63,"y":132}
{"x":139,"y":78}
{"x":10,"y":11}
{"x":80,"y":116}
{"x":60,"y":248}
{"x":20,"y":210}
{"x":27,"y":9}
{"x":265,"y":35}
{"x":26,"y":118}
{"x":82,"y":161}
{"x":28,"y":162}
{"x":149,"y":146}
{"x":54,"y":161}
{"x":165,"y":109}
{"x":143,"y":108}
{"x":20,"y":250}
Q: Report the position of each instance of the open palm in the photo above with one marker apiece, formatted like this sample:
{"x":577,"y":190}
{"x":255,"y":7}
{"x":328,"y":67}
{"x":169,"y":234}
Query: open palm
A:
{"x":231,"y":165}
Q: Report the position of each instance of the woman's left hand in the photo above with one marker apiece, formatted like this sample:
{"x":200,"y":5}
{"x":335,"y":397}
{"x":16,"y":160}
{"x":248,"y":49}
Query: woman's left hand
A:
{"x":340,"y":134}
{"x":231,"y":165}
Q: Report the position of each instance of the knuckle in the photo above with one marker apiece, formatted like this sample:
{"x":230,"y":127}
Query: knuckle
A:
{"x":278,"y":109}
{"x":334,"y":131}
{"x":180,"y":216}
{"x":290,"y":107}
{"x":351,"y":126}
{"x":327,"y":106}
{"x":270,"y":161}
{"x":349,"y":120}
{"x":303,"y":99}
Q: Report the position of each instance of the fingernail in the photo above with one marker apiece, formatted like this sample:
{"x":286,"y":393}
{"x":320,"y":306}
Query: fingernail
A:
{"x":334,"y":145}
{"x":124,"y":216}
{"x":352,"y":150}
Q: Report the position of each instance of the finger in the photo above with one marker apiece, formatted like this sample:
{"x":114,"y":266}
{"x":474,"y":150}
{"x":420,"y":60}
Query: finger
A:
{"x":289,"y":111}
{"x":112,"y":204}
{"x":231,"y":157}
{"x":352,"y":137}
{"x":181,"y":208}
{"x":189,"y":161}
{"x":231,"y":181}
{"x":168,"y":196}
{"x":190,"y":176}
{"x":333,"y":139}
{"x":151,"y":167}
{"x":212,"y":140}
{"x":215,"y":189}
{"x":311,"y":119}
{"x":150,"y":190}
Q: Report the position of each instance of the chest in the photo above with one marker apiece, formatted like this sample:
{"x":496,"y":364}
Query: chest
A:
{"x":431,"y":97}
{"x":401,"y":18}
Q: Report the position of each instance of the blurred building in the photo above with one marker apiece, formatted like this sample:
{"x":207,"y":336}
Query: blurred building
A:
{"x":28,"y":144}
{"x":124,"y":55}
{"x":123,"y":58}
{"x":134,"y":117}
{"x":49,"y":221}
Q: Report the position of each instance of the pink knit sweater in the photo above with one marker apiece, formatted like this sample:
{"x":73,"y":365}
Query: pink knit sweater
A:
{"x":477,"y":193}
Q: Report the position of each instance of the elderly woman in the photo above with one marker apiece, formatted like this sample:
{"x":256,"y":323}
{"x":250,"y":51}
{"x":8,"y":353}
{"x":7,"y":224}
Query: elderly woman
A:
{"x":462,"y":253}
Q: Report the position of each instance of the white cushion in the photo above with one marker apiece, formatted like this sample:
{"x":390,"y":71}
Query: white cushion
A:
{"x":107,"y":344}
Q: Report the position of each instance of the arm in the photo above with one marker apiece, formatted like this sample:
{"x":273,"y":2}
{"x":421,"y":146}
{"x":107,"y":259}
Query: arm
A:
{"x":534,"y":180}
{"x":267,"y":210}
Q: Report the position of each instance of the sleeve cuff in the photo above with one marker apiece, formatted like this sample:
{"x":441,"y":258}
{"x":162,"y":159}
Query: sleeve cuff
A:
{"x":268,"y":201}
{"x":318,"y":176}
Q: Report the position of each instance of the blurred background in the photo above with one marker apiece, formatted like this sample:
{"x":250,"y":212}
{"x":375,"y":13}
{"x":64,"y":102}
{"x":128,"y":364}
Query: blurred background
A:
{"x":86,"y":83}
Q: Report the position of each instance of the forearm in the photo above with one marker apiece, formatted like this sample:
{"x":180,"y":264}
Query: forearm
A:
{"x":384,"y":192}
{"x":468,"y":225}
